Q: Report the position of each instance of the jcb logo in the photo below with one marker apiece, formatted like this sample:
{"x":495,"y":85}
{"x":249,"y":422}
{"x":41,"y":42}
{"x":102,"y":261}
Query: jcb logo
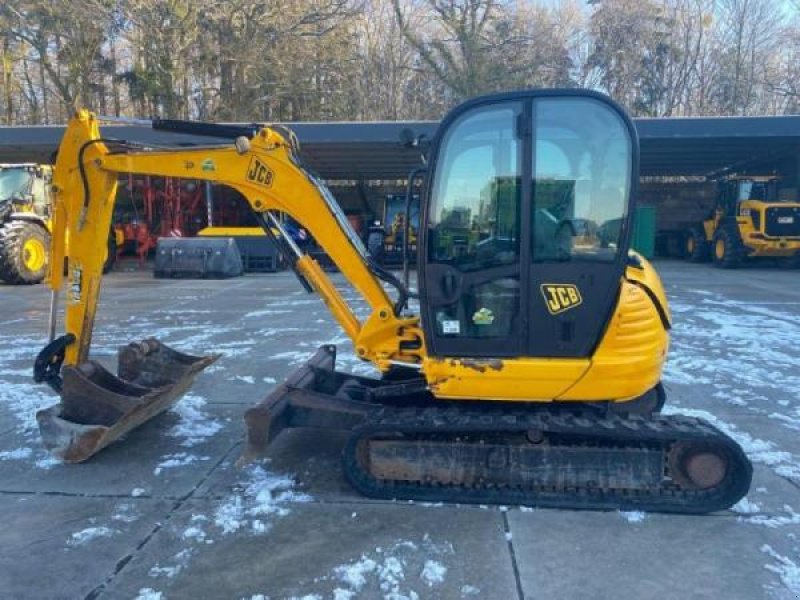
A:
{"x":259,"y":172}
{"x":560,"y":297}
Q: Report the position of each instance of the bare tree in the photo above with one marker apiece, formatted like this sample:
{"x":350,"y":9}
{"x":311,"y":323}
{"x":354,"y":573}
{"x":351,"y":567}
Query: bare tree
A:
{"x":458,"y":42}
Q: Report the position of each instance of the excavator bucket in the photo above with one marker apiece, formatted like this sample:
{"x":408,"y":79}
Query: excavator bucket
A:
{"x":98,"y":407}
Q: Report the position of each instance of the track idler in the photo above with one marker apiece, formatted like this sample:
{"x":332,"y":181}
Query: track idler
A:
{"x":98,"y":407}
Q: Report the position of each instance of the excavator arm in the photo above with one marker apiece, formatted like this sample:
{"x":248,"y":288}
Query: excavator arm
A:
{"x":265,"y":169}
{"x":261,"y":163}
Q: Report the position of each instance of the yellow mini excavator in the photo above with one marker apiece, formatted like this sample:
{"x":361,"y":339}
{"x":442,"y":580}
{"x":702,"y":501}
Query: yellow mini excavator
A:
{"x":531,"y":374}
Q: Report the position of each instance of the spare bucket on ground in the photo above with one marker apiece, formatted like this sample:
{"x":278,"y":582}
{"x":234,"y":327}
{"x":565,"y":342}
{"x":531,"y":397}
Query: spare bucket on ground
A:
{"x":97,"y":407}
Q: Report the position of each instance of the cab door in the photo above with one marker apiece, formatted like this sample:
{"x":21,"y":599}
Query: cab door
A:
{"x":527,"y":225}
{"x":581,"y":174}
{"x":469,"y":261}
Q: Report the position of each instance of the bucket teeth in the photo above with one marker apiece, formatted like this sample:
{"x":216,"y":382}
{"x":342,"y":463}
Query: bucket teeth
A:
{"x":97,"y":407}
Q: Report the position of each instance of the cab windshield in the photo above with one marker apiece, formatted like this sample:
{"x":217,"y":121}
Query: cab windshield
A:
{"x":580,"y":183}
{"x":14,"y":183}
{"x":757,"y":190}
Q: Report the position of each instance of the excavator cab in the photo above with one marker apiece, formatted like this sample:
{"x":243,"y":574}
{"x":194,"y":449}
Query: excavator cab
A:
{"x":527,"y":227}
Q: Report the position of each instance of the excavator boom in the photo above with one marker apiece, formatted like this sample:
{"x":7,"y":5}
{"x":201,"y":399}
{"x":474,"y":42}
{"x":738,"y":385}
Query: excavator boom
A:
{"x":96,"y":406}
{"x":532,"y":373}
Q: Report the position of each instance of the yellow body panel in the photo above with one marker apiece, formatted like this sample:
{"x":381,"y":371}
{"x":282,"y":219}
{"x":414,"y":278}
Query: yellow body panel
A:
{"x":755,"y":239}
{"x":514,"y":379}
{"x":626,"y":363}
{"x":631,"y":355}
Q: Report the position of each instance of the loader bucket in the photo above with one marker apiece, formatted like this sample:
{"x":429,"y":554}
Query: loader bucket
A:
{"x":98,"y":407}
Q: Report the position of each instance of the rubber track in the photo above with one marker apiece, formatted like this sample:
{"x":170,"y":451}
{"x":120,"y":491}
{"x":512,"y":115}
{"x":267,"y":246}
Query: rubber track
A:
{"x":583,"y":430}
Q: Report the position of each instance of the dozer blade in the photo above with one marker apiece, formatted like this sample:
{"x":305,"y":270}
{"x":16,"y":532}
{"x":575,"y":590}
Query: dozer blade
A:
{"x":98,"y":407}
{"x":315,"y":395}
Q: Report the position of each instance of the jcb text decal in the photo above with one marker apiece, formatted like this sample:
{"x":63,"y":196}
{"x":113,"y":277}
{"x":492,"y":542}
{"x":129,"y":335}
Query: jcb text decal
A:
{"x":560,"y":297}
{"x":258,"y":172}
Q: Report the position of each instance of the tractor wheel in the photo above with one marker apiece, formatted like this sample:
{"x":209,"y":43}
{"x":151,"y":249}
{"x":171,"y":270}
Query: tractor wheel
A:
{"x":726,"y":248}
{"x":23,"y":252}
{"x":696,"y":245}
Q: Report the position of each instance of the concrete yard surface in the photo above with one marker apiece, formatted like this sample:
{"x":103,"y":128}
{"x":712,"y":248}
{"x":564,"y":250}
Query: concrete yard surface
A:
{"x":164,"y":514}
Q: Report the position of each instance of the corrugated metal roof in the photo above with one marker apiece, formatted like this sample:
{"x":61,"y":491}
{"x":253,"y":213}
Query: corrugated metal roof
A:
{"x":371,"y":150}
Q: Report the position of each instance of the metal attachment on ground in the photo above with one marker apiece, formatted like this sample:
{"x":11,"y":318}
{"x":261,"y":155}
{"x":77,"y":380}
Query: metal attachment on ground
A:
{"x":97,"y":407}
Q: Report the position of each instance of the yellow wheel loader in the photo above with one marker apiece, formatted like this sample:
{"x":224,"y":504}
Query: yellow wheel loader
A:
{"x":749,"y":221}
{"x":24,"y":222}
{"x":25,"y":206}
{"x":531,"y":373}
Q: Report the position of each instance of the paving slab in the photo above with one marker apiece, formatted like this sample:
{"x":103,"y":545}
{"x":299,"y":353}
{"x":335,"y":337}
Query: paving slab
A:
{"x":591,"y":555}
{"x":770,"y":493}
{"x":61,"y":547}
{"x":311,"y":457}
{"x":374,"y":552}
{"x":168,"y":456}
{"x":286,"y":528}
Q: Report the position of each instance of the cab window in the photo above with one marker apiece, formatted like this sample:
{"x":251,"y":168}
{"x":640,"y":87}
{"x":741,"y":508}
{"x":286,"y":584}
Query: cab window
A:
{"x":582,"y":168}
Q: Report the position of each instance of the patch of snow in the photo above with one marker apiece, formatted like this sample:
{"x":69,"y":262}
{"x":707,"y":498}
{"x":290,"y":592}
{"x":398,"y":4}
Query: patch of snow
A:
{"x":136,"y":492}
{"x":728,"y":344}
{"x":785,"y":568}
{"x":181,"y":559}
{"x":48,"y":461}
{"x":164,"y":571}
{"x":293,"y":357}
{"x":791,"y":422}
{"x":354,"y":574}
{"x":180,"y":459}
{"x":792,"y":518}
{"x":433,"y":572}
{"x":84,"y":536}
{"x":123,"y":513}
{"x":384,"y":574}
{"x":23,"y":400}
{"x":195,"y":426}
{"x":746,"y":506}
{"x":269,"y":380}
{"x":194,"y":533}
{"x":526,"y":509}
{"x":263,"y":494}
{"x":469,"y":590}
{"x":245,"y":378}
{"x":259,"y":526}
{"x":760,"y":451}
{"x":509,"y":536}
{"x":267,"y":312}
{"x":18,"y":454}
{"x":149,"y":594}
{"x":632,"y":516}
